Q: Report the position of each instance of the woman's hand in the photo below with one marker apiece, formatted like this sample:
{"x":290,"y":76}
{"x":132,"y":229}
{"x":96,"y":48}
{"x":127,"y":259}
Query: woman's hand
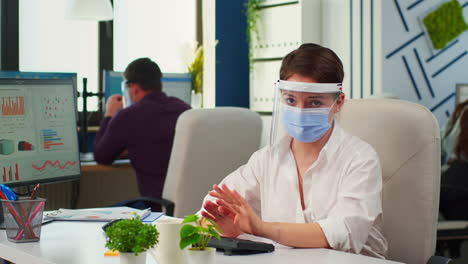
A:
{"x":235,"y":216}
{"x":223,"y":218}
{"x":245,"y":217}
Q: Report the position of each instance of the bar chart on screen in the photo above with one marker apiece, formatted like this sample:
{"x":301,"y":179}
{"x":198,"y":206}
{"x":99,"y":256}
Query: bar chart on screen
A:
{"x":10,"y":172}
{"x":50,"y":139}
{"x":12,"y":106}
{"x":13,"y":110}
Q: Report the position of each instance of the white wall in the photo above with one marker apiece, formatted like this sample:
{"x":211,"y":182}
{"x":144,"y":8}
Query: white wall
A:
{"x":209,"y":47}
{"x":354,"y":34}
{"x":352,"y":30}
{"x":50,"y":43}
{"x":347,"y":27}
{"x":281,"y":29}
{"x":161,"y":30}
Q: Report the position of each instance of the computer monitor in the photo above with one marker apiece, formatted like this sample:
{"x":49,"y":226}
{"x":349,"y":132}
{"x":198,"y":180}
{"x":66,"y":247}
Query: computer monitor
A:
{"x":112,"y":84}
{"x":38,"y":134}
{"x":37,"y":75}
{"x":40,"y":75}
{"x":173,"y":84}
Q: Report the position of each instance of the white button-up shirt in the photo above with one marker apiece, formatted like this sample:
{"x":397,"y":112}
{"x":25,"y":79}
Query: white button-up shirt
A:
{"x":342,"y":191}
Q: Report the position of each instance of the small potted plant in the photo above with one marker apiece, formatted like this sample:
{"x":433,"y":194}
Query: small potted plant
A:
{"x":198,"y":233}
{"x":131,"y":238}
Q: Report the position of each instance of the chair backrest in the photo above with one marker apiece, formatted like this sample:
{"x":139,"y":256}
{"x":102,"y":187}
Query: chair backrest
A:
{"x":407,"y":139}
{"x":208,"y":145}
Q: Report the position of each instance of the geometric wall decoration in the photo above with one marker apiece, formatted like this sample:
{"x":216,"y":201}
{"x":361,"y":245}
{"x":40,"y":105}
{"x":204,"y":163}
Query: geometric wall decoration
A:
{"x":413,"y":70}
{"x":445,"y":23}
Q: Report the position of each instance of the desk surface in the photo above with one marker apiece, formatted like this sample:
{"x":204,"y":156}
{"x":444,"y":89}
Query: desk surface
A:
{"x":83,"y":242}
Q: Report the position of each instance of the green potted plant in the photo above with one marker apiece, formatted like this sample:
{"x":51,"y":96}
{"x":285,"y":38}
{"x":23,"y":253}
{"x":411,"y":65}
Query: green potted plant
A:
{"x":131,"y":238}
{"x":198,"y":232}
{"x":252,"y":17}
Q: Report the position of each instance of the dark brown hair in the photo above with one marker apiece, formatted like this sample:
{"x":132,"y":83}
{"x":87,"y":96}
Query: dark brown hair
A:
{"x":461,"y":146}
{"x":313,"y":61}
{"x":145,"y":73}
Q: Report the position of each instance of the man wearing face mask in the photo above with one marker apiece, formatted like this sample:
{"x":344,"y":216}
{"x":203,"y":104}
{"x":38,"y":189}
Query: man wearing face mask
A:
{"x":314,"y":185}
{"x":145,"y":129}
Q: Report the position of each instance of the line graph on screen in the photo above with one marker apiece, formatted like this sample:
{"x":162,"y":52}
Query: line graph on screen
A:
{"x":44,"y":168}
{"x":56,"y":164}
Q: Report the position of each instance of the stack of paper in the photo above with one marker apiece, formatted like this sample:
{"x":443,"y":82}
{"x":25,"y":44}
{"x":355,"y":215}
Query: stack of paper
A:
{"x":105,"y":214}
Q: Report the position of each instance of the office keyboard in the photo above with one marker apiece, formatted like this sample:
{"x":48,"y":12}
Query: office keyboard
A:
{"x":236,"y":246}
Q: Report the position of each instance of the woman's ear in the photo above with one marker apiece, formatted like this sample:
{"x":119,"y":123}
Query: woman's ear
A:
{"x":340,"y":102}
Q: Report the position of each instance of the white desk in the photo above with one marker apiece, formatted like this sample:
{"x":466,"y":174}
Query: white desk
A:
{"x":83,"y":242}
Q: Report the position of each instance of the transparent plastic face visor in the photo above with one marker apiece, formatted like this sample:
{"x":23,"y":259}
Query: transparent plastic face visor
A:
{"x":298,"y":103}
{"x":127,"y":101}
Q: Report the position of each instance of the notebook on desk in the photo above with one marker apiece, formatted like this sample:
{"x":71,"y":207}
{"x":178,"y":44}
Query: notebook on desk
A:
{"x":237,"y":246}
{"x":104,"y":214}
{"x":88,"y":156}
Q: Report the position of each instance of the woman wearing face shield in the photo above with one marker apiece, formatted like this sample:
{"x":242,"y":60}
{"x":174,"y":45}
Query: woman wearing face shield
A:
{"x":314,"y":185}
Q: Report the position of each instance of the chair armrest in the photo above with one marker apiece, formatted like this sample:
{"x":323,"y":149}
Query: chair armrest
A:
{"x":452,"y":225}
{"x":452,"y":234}
{"x":439,"y":260}
{"x":451,"y":187}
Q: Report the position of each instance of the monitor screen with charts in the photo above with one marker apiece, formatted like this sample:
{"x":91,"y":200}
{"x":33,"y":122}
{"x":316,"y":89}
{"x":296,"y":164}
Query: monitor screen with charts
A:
{"x":38,"y":134}
{"x":173,"y":84}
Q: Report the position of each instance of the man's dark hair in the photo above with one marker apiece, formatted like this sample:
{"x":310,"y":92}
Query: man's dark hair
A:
{"x":145,"y":73}
{"x":313,"y":61}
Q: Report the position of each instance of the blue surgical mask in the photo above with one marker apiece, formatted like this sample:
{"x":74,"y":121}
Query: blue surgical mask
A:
{"x":305,"y":124}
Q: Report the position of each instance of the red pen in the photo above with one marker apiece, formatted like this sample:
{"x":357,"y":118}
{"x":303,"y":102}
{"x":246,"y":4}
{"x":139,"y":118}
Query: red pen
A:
{"x":33,"y":192}
{"x":18,"y":220}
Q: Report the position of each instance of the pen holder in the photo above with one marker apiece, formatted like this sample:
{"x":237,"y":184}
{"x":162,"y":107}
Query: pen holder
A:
{"x":23,"y":219}
{"x":2,"y":224}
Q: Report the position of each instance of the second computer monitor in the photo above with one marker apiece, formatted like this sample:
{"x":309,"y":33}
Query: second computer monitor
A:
{"x":173,"y":84}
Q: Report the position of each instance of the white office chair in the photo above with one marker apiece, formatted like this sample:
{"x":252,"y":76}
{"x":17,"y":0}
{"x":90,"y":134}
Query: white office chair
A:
{"x":451,"y":233}
{"x":406,"y":137}
{"x":208,"y":145}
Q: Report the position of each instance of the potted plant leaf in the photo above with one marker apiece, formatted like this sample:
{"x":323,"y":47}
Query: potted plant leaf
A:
{"x":131,"y":238}
{"x":198,"y":232}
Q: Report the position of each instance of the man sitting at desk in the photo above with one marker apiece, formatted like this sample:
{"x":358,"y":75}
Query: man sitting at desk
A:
{"x":145,"y":129}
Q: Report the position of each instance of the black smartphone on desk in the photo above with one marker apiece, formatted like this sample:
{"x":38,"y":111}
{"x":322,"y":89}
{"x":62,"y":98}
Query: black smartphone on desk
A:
{"x":237,"y":246}
{"x":104,"y":227}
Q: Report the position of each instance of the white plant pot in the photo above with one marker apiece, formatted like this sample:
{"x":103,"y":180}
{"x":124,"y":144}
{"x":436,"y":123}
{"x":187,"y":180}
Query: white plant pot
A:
{"x":167,"y":250}
{"x":201,"y":256}
{"x":196,"y":100}
{"x":130,"y":258}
